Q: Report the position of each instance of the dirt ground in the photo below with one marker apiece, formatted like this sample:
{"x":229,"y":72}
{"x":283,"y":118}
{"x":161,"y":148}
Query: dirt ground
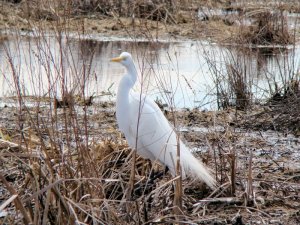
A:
{"x":267,"y":160}
{"x":12,"y":17}
{"x":220,"y":26}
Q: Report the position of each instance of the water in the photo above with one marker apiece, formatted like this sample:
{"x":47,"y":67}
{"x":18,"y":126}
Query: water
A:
{"x":182,"y":74}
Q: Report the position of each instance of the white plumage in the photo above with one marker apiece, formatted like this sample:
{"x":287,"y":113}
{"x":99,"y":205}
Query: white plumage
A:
{"x":148,"y":131}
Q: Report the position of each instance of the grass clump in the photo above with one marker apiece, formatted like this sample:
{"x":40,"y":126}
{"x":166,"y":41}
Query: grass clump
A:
{"x":267,"y":28}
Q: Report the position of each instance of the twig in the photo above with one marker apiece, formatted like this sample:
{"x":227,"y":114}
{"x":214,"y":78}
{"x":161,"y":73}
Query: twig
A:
{"x":249,"y":191}
{"x":178,"y":183}
{"x":254,"y":209}
{"x":233,"y":172}
{"x":227,"y":200}
{"x":7,"y":202}
{"x":17,"y":201}
{"x":47,"y":204}
{"x":132,"y":177}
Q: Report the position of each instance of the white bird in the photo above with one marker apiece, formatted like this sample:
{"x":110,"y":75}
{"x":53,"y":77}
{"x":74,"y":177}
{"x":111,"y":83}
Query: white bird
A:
{"x":148,"y":131}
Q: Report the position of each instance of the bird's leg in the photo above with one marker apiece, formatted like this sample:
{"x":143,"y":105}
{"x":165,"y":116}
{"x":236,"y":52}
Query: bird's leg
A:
{"x":150,"y":184}
{"x":166,"y":170}
{"x":158,"y":174}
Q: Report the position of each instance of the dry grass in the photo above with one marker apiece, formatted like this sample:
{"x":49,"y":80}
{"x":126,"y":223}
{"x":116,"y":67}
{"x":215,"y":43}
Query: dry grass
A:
{"x":66,"y":183}
{"x":231,"y":72}
{"x":281,"y":112}
{"x":65,"y":162}
{"x":268,"y":28}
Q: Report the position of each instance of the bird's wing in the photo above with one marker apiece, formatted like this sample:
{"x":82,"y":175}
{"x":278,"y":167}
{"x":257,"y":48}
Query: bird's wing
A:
{"x":155,"y":139}
{"x":153,"y":132}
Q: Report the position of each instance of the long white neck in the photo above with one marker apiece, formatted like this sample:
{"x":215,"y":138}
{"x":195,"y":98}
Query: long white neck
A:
{"x":122,"y":104}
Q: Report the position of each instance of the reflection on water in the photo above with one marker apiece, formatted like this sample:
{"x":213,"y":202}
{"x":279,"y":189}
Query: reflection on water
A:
{"x":179,"y":73}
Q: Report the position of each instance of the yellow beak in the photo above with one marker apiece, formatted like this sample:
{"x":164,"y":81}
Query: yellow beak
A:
{"x":117,"y":59}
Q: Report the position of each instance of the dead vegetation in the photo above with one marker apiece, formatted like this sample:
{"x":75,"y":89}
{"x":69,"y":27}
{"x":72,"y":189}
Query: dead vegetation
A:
{"x":268,"y":28}
{"x":221,"y":21}
{"x":50,"y":173}
{"x":56,"y":10}
{"x":64,"y":162}
{"x":280,"y":113}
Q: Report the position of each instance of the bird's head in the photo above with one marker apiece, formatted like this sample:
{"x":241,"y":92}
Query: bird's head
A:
{"x":125,"y":59}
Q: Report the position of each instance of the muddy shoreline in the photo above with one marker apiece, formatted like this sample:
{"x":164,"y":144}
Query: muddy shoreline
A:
{"x":221,"y":27}
{"x":274,"y":166}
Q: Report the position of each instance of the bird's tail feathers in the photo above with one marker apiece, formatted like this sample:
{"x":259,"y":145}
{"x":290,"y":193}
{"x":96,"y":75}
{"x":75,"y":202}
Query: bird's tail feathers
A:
{"x":193,"y":166}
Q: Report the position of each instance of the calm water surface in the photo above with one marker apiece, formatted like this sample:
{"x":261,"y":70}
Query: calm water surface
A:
{"x":183,"y":74}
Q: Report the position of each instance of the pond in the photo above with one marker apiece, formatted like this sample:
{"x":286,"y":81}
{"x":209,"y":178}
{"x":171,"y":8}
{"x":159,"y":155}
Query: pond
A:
{"x":183,"y":74}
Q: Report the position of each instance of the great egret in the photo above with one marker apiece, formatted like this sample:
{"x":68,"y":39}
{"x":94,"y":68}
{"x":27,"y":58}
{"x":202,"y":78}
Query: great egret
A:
{"x":148,"y":131}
